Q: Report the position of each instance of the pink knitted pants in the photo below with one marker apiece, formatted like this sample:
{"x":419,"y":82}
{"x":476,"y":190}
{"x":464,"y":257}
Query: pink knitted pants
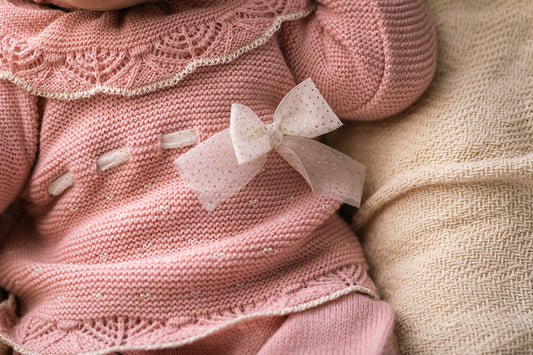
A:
{"x":353,"y":324}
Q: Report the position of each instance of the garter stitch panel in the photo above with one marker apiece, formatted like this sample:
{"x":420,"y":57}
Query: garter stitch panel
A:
{"x":121,"y":256}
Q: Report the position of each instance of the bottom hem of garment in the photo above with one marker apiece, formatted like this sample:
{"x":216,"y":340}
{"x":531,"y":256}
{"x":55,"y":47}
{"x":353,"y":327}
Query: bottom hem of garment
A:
{"x":295,"y":304}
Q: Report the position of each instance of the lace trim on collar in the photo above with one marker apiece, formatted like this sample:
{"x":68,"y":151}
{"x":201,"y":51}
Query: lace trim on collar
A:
{"x":129,"y":72}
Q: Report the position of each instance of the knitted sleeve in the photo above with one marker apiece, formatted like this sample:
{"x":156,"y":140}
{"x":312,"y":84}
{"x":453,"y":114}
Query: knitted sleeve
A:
{"x":18,"y":140}
{"x":369,"y":58}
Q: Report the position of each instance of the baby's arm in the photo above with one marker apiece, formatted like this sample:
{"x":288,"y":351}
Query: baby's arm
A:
{"x":369,"y":58}
{"x":18,"y":140}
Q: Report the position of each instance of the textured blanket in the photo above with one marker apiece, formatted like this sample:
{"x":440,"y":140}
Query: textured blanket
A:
{"x":447,"y":225}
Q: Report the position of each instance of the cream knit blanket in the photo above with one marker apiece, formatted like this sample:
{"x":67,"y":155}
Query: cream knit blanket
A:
{"x":448,"y":220}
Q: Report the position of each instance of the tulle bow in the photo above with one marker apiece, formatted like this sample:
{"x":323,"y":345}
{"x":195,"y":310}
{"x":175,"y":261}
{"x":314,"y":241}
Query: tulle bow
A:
{"x":222,"y":165}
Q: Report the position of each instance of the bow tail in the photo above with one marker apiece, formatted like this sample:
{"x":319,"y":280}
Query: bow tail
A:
{"x":212,"y":171}
{"x":328,"y":171}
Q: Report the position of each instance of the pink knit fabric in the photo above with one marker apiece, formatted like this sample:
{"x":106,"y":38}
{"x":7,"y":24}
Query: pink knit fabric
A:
{"x":353,"y":324}
{"x":127,"y":258}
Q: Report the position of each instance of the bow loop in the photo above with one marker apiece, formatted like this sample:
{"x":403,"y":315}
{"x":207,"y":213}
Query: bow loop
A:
{"x":304,"y":112}
{"x":248,"y":133}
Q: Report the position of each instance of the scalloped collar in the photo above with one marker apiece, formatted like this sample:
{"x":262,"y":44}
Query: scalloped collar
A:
{"x":73,"y":54}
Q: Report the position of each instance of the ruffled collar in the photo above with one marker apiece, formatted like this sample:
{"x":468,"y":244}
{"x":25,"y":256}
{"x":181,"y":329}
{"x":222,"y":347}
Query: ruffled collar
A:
{"x":72,"y":54}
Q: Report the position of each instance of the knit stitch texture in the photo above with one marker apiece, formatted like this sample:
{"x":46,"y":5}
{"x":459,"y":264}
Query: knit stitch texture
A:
{"x":123,"y":258}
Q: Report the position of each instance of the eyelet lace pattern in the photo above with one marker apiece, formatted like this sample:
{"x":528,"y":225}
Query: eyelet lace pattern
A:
{"x":105,"y":335}
{"x":64,"y":73}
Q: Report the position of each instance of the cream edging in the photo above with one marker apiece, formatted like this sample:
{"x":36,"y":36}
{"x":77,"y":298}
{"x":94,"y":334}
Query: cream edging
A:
{"x":280,"y":312}
{"x":144,"y":89}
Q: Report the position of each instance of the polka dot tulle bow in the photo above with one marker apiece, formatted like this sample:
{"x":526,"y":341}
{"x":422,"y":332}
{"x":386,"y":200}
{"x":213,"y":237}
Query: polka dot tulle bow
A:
{"x":222,"y":165}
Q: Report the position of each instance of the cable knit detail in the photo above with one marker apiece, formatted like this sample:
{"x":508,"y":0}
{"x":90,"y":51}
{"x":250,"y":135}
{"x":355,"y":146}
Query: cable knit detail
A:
{"x":55,"y":71}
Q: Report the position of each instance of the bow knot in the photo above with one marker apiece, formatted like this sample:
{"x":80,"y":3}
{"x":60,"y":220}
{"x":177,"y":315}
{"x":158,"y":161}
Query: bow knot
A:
{"x":237,"y":154}
{"x":275,"y":135}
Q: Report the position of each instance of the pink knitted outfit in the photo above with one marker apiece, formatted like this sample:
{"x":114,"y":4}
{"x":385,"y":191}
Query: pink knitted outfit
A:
{"x":126,"y":258}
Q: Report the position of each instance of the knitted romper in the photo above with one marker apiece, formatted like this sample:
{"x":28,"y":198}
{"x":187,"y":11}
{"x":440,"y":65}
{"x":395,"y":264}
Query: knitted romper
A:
{"x":105,"y":249}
